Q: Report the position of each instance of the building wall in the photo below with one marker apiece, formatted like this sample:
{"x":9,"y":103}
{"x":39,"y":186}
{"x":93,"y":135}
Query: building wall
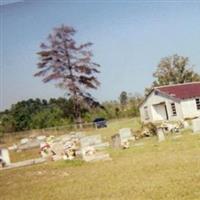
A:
{"x":189,"y":108}
{"x":155,"y":112}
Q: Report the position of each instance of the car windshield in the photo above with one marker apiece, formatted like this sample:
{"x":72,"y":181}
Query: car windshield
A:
{"x":99,"y":119}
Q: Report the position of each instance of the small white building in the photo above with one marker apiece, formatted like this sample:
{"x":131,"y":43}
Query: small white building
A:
{"x":171,"y":102}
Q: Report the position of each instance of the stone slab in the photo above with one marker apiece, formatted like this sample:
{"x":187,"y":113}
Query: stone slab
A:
{"x":90,"y":140}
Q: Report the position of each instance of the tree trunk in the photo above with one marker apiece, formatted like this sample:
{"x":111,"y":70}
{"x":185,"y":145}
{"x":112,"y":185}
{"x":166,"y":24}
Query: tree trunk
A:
{"x":77,"y":114}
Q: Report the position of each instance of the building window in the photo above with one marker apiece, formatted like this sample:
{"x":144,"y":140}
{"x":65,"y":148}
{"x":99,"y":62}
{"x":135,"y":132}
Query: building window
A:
{"x":146,"y":114}
{"x":198,"y":103}
{"x":173,"y":109}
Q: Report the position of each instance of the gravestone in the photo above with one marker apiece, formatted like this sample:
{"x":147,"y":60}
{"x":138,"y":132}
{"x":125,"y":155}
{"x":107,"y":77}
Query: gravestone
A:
{"x":160,"y":134}
{"x":94,"y":141}
{"x":4,"y":157}
{"x":41,"y":138}
{"x":25,"y":163}
{"x":126,"y":134}
{"x":24,"y":141}
{"x":90,"y":140}
{"x":122,"y":138}
{"x":116,"y":141}
{"x":196,"y":125}
{"x":186,"y":124}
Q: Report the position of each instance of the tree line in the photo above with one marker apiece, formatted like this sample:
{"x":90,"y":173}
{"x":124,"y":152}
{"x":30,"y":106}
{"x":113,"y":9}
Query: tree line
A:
{"x":41,"y":113}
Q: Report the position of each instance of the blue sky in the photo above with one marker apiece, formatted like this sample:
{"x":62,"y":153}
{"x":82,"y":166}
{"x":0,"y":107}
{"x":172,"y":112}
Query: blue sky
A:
{"x":130,"y":38}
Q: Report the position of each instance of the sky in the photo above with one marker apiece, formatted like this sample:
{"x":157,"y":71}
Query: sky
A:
{"x":129,"y":39}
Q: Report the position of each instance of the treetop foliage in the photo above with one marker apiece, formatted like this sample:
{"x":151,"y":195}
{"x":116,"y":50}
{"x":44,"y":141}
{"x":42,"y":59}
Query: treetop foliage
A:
{"x":173,"y":69}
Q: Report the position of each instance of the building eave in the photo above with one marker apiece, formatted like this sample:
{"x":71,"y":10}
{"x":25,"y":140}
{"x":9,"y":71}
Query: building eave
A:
{"x":146,"y":97}
{"x":163,"y":94}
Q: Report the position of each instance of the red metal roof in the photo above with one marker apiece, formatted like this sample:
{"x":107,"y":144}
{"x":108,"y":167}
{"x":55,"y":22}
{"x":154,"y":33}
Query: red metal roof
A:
{"x":182,"y":91}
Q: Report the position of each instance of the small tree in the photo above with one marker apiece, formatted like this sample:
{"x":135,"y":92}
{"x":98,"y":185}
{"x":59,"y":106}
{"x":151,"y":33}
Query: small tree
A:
{"x":123,"y":99}
{"x":71,"y":65}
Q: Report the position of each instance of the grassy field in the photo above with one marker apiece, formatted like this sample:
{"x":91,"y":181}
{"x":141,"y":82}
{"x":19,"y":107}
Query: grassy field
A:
{"x":169,"y":170}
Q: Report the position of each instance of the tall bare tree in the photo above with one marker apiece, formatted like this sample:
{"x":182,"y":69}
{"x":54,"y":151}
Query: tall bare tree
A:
{"x":70,"y":65}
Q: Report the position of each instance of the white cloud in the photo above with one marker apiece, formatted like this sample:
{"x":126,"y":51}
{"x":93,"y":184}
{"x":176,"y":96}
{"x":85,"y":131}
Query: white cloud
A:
{"x":6,"y":2}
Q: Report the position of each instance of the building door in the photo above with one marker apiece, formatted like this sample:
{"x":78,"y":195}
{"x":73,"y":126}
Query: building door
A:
{"x":160,"y":112}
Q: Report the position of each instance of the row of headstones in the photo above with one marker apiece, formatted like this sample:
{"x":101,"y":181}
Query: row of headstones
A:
{"x":123,"y":135}
{"x":195,"y":129}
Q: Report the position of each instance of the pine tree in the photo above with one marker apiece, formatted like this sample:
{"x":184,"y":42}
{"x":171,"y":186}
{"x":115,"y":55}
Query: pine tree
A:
{"x":70,"y":65}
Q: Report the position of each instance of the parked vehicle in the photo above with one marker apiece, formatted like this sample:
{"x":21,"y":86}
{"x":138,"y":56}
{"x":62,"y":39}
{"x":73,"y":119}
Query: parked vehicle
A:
{"x":100,"y":122}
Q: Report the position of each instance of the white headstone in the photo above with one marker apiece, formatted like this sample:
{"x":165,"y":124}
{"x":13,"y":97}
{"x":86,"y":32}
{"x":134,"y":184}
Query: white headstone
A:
{"x":41,"y":137}
{"x":4,"y":156}
{"x":24,"y":141}
{"x":160,"y":133}
{"x":126,"y":134}
{"x":196,"y":125}
{"x":186,"y":124}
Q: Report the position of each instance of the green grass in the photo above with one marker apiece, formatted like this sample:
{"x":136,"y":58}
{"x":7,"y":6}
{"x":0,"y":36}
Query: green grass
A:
{"x":169,"y":170}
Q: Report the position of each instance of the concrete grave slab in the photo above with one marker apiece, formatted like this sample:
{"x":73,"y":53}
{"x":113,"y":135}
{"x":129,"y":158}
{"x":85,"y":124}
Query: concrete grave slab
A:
{"x":90,"y":140}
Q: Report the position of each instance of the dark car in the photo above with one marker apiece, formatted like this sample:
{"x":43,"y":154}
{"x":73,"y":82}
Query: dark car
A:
{"x":100,"y":122}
